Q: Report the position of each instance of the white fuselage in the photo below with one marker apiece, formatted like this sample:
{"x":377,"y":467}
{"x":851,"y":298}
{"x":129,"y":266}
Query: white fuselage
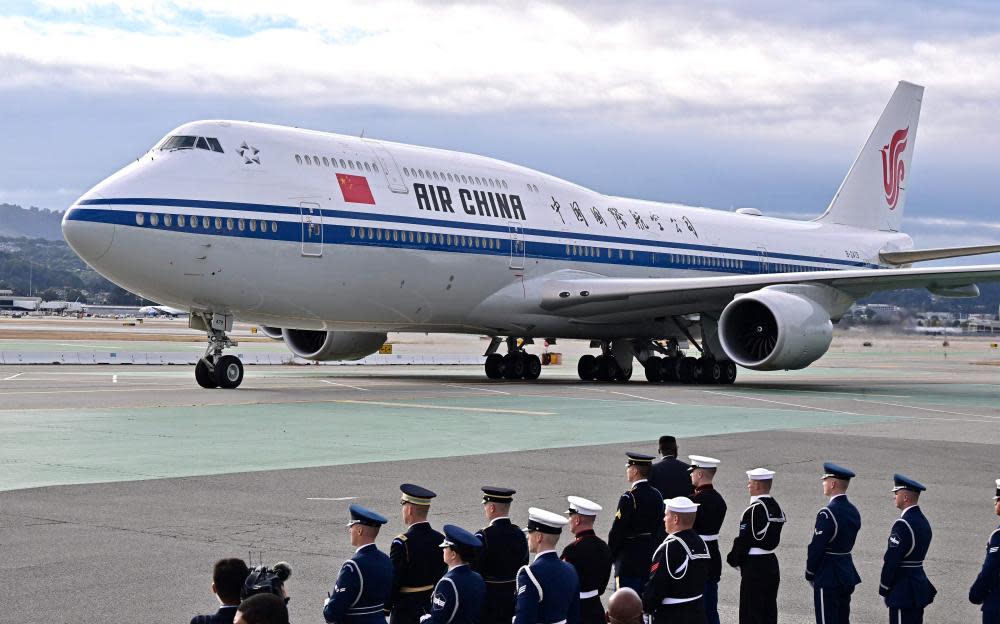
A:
{"x":448,"y":244}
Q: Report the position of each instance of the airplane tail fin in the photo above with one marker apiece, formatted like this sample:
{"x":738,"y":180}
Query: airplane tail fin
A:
{"x":873,"y":195}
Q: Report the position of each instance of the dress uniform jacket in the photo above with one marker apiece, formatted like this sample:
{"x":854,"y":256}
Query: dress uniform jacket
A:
{"x":986,"y":589}
{"x":903,"y":582}
{"x":458,"y":597}
{"x":362,"y":588}
{"x":636,"y":529}
{"x":671,"y":477}
{"x":680,"y":568}
{"x":224,"y":615}
{"x":504,"y":551}
{"x":548,"y":592}
{"x":708,"y":523}
{"x":753,"y":553}
{"x":416,"y":558}
{"x":591,"y":558}
{"x":829,"y":566}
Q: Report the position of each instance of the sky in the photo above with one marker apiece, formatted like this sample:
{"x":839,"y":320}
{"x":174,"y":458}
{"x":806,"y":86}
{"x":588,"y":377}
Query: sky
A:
{"x":718,"y":104}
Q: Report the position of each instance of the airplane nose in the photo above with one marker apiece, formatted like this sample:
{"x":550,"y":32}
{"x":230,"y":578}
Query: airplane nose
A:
{"x":86,"y":234}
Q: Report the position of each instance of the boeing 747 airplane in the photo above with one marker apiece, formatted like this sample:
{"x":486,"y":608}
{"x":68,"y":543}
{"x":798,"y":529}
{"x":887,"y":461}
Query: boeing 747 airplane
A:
{"x":330,"y":241}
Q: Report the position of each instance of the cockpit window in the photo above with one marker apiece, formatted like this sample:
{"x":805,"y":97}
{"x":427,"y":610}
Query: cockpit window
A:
{"x":179,"y":141}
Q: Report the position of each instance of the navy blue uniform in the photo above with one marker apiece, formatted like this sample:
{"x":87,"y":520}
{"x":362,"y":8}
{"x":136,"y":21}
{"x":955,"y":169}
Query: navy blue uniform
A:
{"x":548,"y":592}
{"x":903,"y":583}
{"x":636,"y":531}
{"x":505,"y":550}
{"x":224,"y":615}
{"x":986,"y":590}
{"x":829,"y":566}
{"x":591,"y":558}
{"x":753,"y":553}
{"x":458,"y":597}
{"x":671,"y":477}
{"x":362,"y":588}
{"x":416,"y":559}
{"x":677,"y":577}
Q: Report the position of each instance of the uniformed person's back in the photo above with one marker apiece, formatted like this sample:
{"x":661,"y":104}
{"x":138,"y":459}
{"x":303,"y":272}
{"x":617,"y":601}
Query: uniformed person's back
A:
{"x":638,"y":525}
{"x":504,"y":551}
{"x":416,"y":558}
{"x":548,"y":589}
{"x":829,"y":565}
{"x":986,"y":589}
{"x":679,"y":571}
{"x":903,"y":582}
{"x":707,"y":524}
{"x":365,"y":580}
{"x":670,"y":475}
{"x":589,"y":556}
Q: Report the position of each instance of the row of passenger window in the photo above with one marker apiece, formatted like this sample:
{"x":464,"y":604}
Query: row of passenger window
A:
{"x":206,"y":223}
{"x":316,"y":161}
{"x":596,"y":252}
{"x":426,"y":238}
{"x":454,"y":177}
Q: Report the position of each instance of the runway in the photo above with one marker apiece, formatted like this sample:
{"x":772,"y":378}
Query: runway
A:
{"x":148,"y":479}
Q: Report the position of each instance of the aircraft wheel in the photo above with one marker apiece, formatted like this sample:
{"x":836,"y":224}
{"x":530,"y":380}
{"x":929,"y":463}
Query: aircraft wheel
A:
{"x":229,"y":372}
{"x":687,"y":370}
{"x":711,"y":371}
{"x":623,"y":374}
{"x":586,"y":368}
{"x":514,"y":366}
{"x":607,"y":368}
{"x":204,"y":376}
{"x":494,"y":366}
{"x":728,"y":373}
{"x":534,"y":367}
{"x":652,"y":369}
{"x":668,"y":369}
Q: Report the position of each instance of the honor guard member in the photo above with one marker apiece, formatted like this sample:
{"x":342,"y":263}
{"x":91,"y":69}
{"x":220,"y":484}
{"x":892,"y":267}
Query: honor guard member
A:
{"x":903,"y":583}
{"x":829,"y":567}
{"x":590,"y":556}
{"x":679,"y":570}
{"x":548,"y":590}
{"x":504,"y":551}
{"x":708,"y":522}
{"x":670,"y":475}
{"x":416,"y":558}
{"x":458,"y":596}
{"x":365,"y":579}
{"x":638,"y":525}
{"x":753,"y":551}
{"x":986,"y":590}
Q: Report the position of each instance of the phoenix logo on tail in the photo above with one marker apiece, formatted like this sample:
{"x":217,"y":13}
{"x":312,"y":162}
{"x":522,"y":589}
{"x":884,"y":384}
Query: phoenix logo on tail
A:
{"x":893,"y":169}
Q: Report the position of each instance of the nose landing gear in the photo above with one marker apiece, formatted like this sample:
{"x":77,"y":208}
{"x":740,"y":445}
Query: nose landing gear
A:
{"x":215,"y":370}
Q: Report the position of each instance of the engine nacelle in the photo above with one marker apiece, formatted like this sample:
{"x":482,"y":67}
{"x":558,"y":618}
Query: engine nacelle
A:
{"x":271,"y":332}
{"x":781,"y":327}
{"x":322,"y":346}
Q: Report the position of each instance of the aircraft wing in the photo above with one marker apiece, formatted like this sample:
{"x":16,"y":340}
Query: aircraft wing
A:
{"x":939,"y":253}
{"x":581,"y":295}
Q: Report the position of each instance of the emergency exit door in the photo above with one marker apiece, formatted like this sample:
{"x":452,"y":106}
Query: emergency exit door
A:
{"x":516,"y":246}
{"x":312,"y":229}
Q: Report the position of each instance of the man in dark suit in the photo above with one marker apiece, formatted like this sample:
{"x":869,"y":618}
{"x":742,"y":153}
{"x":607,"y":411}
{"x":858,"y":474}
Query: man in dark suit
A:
{"x":590,"y":556}
{"x":829,"y":566}
{"x":416,"y":558}
{"x":903,"y":582}
{"x":227,"y":582}
{"x":504,"y":551}
{"x":670,"y":475}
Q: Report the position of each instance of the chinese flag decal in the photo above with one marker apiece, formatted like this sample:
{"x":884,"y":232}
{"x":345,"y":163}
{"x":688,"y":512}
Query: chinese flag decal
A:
{"x":355,"y":189}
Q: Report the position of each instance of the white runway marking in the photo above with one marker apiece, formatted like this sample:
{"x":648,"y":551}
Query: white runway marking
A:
{"x":634,"y":396}
{"x":341,"y":498}
{"x":856,"y":394}
{"x":488,"y":410}
{"x":114,"y":379}
{"x":474,"y":388}
{"x":334,"y":383}
{"x":805,"y":407}
{"x":928,"y":409}
{"x":15,"y":376}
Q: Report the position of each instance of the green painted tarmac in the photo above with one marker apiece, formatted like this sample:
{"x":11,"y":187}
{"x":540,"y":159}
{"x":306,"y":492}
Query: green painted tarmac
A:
{"x":43,"y":447}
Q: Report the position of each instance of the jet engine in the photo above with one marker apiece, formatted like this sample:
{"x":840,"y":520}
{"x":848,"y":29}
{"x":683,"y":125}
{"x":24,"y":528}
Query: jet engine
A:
{"x":780,"y":327}
{"x":271,"y":332}
{"x":322,"y":346}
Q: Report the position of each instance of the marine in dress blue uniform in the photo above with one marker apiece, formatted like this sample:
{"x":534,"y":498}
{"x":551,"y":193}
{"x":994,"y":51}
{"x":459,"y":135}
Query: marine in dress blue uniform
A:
{"x":504,"y":551}
{"x":753,"y":551}
{"x":416,"y":558}
{"x":365,"y":580}
{"x":707,"y":524}
{"x":638,"y":525}
{"x":986,"y":589}
{"x":548,"y":590}
{"x":829,"y":566}
{"x":679,"y":569}
{"x":903,"y":582}
{"x":458,"y":596}
{"x":590,"y":557}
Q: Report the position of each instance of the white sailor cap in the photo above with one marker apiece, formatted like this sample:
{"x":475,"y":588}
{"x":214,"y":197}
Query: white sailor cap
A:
{"x":700,"y":461}
{"x":760,"y":474}
{"x":582,"y":506}
{"x":545,"y":521}
{"x":997,"y":497}
{"x":681,"y":504}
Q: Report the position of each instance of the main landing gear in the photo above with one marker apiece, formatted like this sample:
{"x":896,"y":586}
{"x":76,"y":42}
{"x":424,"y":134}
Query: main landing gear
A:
{"x":662,"y":363}
{"x":516,"y":364}
{"x":604,"y":367}
{"x":215,"y":370}
{"x":689,"y":370}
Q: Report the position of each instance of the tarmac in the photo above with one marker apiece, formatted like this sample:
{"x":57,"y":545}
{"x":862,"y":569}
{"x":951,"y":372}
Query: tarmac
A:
{"x":121,"y":485}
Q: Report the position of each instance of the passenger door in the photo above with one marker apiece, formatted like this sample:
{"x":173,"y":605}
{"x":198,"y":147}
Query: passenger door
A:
{"x":516,"y":246}
{"x":312,"y":229}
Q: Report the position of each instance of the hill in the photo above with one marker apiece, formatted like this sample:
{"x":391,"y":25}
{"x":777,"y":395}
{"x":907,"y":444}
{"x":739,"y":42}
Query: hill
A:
{"x":33,"y":222}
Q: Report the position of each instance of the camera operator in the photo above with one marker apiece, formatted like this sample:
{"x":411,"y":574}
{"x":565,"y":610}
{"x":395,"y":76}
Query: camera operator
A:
{"x":228,"y":576}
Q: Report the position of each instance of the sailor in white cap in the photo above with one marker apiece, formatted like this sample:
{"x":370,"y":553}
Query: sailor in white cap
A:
{"x":590,"y":556}
{"x":711,"y":514}
{"x":675,"y":591}
{"x":986,"y":590}
{"x":548,"y":590}
{"x":753,"y":550}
